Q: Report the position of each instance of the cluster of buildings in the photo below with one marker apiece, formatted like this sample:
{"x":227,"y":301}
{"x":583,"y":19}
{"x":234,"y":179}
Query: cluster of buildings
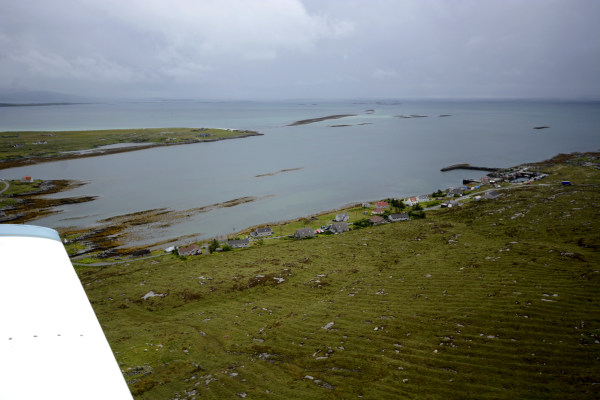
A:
{"x":381,"y":207}
{"x":340,"y":223}
{"x":521,"y":174}
{"x":194,"y":249}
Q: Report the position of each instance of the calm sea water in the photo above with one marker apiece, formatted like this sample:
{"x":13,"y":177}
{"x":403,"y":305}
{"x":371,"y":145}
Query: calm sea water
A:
{"x":377,"y":156}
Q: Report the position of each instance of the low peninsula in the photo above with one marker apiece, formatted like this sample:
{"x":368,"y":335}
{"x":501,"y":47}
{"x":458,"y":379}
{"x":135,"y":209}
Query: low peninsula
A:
{"x":32,"y":147}
{"x":311,"y":120}
{"x":278,"y":172}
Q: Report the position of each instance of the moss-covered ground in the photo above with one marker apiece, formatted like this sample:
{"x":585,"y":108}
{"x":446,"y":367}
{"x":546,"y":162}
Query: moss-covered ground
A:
{"x":496,"y":299}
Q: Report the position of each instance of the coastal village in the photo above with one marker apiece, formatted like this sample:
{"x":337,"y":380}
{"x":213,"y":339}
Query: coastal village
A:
{"x":376,"y":213}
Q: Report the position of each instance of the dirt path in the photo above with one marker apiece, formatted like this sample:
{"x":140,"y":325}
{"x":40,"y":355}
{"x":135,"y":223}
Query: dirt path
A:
{"x":104,"y":264}
{"x":5,"y":187}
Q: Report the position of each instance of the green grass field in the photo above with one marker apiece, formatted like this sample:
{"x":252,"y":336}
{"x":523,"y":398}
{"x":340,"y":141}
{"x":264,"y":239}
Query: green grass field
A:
{"x":56,"y":143}
{"x":497,"y":299}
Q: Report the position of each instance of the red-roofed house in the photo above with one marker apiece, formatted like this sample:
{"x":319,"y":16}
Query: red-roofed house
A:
{"x":27,"y":178}
{"x":382,"y":204}
{"x":411,"y":201}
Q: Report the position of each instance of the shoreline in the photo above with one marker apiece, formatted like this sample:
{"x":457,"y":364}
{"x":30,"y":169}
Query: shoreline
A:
{"x":557,"y":159}
{"x":113,"y":234}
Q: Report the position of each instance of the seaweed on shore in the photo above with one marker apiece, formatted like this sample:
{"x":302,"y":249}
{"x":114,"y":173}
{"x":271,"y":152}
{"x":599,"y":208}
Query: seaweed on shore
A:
{"x":29,"y":206}
{"x":117,"y":233}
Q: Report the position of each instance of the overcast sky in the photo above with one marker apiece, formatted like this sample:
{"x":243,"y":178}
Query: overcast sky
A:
{"x":257,"y":49}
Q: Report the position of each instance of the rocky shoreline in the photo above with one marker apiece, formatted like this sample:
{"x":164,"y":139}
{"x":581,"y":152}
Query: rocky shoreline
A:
{"x":117,"y":235}
{"x":31,"y":205}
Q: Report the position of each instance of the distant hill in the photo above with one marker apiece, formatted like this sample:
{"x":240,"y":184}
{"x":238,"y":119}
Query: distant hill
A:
{"x":38,"y":96}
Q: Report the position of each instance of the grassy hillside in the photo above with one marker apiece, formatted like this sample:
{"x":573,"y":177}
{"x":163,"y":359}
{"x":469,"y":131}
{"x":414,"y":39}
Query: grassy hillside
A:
{"x":494,"y":299}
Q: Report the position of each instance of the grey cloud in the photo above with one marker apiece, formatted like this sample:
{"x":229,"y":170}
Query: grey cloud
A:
{"x":289,"y":48}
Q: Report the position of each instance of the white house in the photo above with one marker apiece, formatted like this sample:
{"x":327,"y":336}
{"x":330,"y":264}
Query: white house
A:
{"x":411,"y":201}
{"x":399,"y":217}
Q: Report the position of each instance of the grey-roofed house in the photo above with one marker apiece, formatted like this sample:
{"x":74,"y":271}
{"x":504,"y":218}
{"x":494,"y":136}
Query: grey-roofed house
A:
{"x":262,"y":232}
{"x":492,"y":194}
{"x":239,"y":243}
{"x":450,"y":204}
{"x":304,"y":233}
{"x":399,"y":217}
{"x":342,"y":217}
{"x":377,"y":220}
{"x":453,"y":203}
{"x":191,"y":250}
{"x":339,"y":227}
{"x":455,"y":191}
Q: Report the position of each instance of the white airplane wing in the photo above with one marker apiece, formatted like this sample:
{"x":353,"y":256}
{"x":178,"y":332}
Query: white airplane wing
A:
{"x":51,"y":343}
